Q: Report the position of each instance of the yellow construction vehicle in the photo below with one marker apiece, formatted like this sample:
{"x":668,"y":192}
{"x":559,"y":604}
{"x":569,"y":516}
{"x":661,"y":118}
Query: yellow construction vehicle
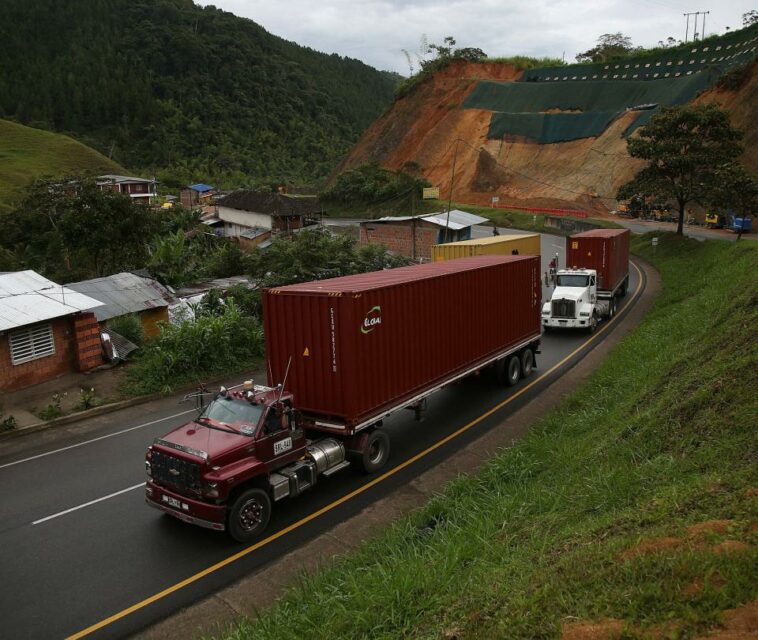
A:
{"x":714,"y":220}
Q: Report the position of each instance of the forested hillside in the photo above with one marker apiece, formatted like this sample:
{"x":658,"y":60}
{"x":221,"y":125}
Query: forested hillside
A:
{"x":183,"y":91}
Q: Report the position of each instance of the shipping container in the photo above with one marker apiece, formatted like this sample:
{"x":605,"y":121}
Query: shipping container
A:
{"x":525,"y":244}
{"x":354,"y":347}
{"x":604,"y":250}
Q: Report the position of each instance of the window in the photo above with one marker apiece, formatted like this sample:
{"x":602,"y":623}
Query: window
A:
{"x":32,"y":343}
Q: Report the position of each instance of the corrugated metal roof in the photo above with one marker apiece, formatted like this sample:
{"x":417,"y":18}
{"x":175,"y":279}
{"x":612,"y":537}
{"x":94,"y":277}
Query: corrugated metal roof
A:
{"x":374,"y":279}
{"x":458,"y":219}
{"x":112,"y":177}
{"x":121,"y":293}
{"x":200,"y":187}
{"x":27,"y":297}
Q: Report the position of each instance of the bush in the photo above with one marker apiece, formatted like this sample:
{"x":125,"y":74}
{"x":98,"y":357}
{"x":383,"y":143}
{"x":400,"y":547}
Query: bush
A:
{"x":370,"y":183}
{"x":736,"y":77}
{"x":225,"y":261}
{"x":130,"y":327}
{"x":191,"y":351}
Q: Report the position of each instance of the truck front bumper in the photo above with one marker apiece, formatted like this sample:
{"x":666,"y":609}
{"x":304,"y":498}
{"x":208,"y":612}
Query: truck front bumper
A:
{"x":565,"y":323}
{"x":195,"y":512}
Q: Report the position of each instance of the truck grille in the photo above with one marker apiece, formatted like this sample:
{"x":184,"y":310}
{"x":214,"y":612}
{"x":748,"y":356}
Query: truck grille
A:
{"x":175,"y":472}
{"x":564,"y":308}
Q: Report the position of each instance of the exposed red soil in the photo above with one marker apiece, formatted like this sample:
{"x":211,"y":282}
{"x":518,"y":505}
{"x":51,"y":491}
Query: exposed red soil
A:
{"x":738,"y":624}
{"x":718,"y":527}
{"x":731,"y":546}
{"x":609,"y":629}
{"x":654,"y":545}
{"x":424,"y":126}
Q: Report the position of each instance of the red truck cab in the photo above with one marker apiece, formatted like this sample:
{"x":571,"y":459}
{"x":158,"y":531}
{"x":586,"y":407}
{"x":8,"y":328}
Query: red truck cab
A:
{"x":240,"y":436}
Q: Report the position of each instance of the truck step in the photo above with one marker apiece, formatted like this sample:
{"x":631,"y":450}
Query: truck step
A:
{"x":336,"y":468}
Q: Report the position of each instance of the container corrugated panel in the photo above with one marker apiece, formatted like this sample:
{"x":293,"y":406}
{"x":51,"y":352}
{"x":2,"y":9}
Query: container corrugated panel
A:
{"x":604,"y":250}
{"x":359,"y":345}
{"x":527,"y":244}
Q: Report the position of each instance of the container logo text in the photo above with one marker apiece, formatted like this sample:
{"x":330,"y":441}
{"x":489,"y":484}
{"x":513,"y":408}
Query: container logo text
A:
{"x":372,"y":320}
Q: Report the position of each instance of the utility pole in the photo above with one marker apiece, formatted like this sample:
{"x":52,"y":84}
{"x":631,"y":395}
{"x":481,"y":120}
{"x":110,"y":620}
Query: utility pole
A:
{"x":705,"y":13}
{"x":694,"y":30}
{"x":450,"y":195}
{"x":687,"y":27}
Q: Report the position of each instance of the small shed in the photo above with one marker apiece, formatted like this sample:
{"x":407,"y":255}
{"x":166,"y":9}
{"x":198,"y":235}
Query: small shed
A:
{"x":196,"y":195}
{"x":414,"y":236}
{"x":45,"y":330}
{"x":125,"y":293}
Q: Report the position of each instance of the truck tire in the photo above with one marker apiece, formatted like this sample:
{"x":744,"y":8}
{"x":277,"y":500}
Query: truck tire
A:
{"x":527,"y":363}
{"x":249,"y":515}
{"x":512,"y":370}
{"x":625,"y":286}
{"x":593,"y":324}
{"x":376,"y":452}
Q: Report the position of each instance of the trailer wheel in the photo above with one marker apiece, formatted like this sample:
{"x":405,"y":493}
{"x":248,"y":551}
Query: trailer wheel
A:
{"x":612,"y":308}
{"x":527,"y":363}
{"x":249,"y":515}
{"x":512,"y":371}
{"x":625,"y":286}
{"x":376,"y":453}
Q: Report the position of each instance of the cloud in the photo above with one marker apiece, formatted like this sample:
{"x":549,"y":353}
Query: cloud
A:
{"x":376,"y":31}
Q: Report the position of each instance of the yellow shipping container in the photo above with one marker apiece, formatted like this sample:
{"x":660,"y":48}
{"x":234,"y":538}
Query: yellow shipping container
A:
{"x":527,"y":244}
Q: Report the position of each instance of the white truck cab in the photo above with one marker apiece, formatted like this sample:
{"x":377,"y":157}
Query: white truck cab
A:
{"x":576,"y":302}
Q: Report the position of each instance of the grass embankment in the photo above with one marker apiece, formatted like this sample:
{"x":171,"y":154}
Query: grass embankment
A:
{"x":27,"y":154}
{"x":591,"y":516}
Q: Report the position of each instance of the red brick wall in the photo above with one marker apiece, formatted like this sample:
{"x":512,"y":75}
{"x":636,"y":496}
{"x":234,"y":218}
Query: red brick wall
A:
{"x":28,"y":373}
{"x":398,"y":239}
{"x":89,"y":351}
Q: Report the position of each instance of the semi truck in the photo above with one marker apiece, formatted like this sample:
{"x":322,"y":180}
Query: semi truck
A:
{"x":596,"y":275}
{"x":525,"y":244}
{"x":342,"y":355}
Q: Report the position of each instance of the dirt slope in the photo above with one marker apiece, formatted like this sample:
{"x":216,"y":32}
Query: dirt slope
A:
{"x":430,"y":128}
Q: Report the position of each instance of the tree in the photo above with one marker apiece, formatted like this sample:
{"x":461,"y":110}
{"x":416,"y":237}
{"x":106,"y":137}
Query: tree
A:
{"x":749,"y":18}
{"x":609,"y":46}
{"x":686,"y":148}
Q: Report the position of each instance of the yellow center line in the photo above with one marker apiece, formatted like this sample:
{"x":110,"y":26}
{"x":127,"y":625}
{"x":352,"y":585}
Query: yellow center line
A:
{"x":363,"y":488}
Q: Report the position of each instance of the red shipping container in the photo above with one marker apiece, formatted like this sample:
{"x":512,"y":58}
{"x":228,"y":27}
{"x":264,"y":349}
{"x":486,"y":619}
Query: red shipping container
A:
{"x":604,"y":250}
{"x":360,"y":345}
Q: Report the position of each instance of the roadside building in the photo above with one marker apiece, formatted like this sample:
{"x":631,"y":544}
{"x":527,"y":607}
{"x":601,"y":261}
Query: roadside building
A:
{"x":197,"y":195}
{"x":45,"y":330}
{"x":140,"y":190}
{"x":414,"y":236}
{"x":126,"y":293}
{"x":243,"y":210}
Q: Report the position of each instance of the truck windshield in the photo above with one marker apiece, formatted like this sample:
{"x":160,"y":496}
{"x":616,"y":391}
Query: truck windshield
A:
{"x":231,"y":411}
{"x":572,"y":281}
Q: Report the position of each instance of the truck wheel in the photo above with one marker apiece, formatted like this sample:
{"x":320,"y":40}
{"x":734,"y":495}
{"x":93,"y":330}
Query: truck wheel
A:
{"x":625,"y":286}
{"x":376,"y":453}
{"x":612,"y":308}
{"x":249,"y":515}
{"x":593,"y":324}
{"x":527,"y":363}
{"x":512,"y":370}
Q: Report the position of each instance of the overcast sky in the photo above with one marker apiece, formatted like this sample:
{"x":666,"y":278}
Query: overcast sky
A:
{"x":376,"y":31}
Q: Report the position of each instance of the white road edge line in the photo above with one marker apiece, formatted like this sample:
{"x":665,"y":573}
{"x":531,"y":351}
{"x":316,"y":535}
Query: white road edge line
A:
{"x":87,"y":504}
{"x":110,"y":435}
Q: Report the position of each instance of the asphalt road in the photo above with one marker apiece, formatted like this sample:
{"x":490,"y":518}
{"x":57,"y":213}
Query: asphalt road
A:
{"x":78,"y":545}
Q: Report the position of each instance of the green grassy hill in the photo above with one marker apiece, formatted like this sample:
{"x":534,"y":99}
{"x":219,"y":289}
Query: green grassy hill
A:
{"x":631,"y":511}
{"x":26,"y":154}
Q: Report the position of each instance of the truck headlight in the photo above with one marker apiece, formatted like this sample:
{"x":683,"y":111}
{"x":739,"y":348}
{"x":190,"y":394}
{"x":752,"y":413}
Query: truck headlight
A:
{"x":148,"y":468}
{"x":211,"y":489}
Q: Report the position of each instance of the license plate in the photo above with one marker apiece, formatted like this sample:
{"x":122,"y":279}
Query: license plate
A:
{"x":172,"y":502}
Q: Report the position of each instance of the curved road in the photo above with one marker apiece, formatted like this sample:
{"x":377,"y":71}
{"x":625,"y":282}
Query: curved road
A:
{"x":82,"y":555}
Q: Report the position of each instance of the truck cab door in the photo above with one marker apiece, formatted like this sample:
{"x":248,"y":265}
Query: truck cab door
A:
{"x":593,"y":289}
{"x":278,"y":440}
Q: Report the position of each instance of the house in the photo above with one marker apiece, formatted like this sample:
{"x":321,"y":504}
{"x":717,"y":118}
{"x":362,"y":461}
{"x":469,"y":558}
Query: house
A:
{"x":45,"y":330}
{"x":125,"y":293}
{"x":196,"y":195}
{"x":276,"y":212}
{"x":414,"y":236}
{"x":140,"y":190}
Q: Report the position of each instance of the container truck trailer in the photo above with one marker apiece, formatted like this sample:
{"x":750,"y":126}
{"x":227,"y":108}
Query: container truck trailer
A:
{"x":342,"y":355}
{"x":596,"y":275}
{"x":525,"y":244}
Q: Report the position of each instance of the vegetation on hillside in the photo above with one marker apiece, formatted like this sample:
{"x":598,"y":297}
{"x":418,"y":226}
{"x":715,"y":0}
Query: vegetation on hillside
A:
{"x":194,"y":93}
{"x":27,"y":154}
{"x":634,"y":503}
{"x":69,"y":230}
{"x":371,"y":184}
